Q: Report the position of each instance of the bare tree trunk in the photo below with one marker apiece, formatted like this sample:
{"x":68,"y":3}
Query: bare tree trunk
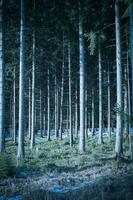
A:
{"x":82,"y":81}
{"x":126,"y":130}
{"x":93,"y":111}
{"x":32,"y":144}
{"x":86,"y":116}
{"x":14,"y":106}
{"x":119,"y":126}
{"x":109,"y":114}
{"x":29,"y":109}
{"x":44,"y":122}
{"x":48,"y":113}
{"x":131,"y":41}
{"x":56,"y":108}
{"x":2,"y":66}
{"x":41,"y":118}
{"x":21,"y":83}
{"x":76,"y":112}
{"x":70,"y":97}
{"x":100,"y":139}
{"x":62,"y":95}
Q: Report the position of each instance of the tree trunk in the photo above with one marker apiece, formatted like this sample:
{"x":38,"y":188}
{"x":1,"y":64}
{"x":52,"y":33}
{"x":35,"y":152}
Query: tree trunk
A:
{"x":56,"y":108}
{"x":82,"y":81}
{"x":119,"y":126}
{"x":48,"y":113}
{"x":29,"y":129}
{"x":100,"y":139}
{"x":32,"y":144}
{"x":14,"y":106}
{"x":126,"y":132}
{"x":86,"y":116}
{"x":131,"y":44}
{"x":44,"y":122}
{"x":41,"y":118}
{"x":62,"y":94}
{"x":109,"y":114}
{"x":93,"y":109}
{"x":76,"y":112}
{"x":70,"y":97}
{"x":21,"y":83}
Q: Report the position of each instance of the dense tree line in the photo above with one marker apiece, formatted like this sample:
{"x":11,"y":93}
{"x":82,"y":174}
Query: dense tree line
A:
{"x":65,"y":65}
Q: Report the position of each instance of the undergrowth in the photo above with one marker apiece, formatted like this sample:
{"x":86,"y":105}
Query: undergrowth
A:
{"x":51,"y":155}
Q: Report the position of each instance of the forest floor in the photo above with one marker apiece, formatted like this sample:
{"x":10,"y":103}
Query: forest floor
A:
{"x":53,"y":170}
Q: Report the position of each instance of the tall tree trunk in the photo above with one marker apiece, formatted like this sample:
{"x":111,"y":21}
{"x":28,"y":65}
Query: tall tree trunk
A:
{"x":21,"y":83}
{"x":119,"y":126}
{"x":2,"y":66}
{"x":82,"y":81}
{"x":14,"y":106}
{"x":32,"y":144}
{"x":109,"y":114}
{"x":76,"y":112}
{"x":44,"y":121}
{"x":56,"y":108}
{"x":70,"y":96}
{"x":86,"y":116}
{"x":29,"y":129}
{"x":126,"y":133}
{"x":48,"y":111}
{"x":100,"y":139}
{"x":131,"y":41}
{"x":41,"y":118}
{"x":62,"y":94}
{"x":93,"y":111}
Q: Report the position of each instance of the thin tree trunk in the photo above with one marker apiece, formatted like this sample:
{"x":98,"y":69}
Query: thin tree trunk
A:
{"x":44,"y":122}
{"x":70,"y":97}
{"x":62,"y":94}
{"x":32,"y":144}
{"x":48,"y":113}
{"x":82,"y":81}
{"x":119,"y":126}
{"x":100,"y":139}
{"x":76,"y":112}
{"x":126,"y":133}
{"x":2,"y":116}
{"x":14,"y":107}
{"x":93,"y":111}
{"x":41,"y":119}
{"x":29,"y":129}
{"x":21,"y":83}
{"x":109,"y":114}
{"x":86,"y":117}
{"x":56,"y":108}
{"x":131,"y":41}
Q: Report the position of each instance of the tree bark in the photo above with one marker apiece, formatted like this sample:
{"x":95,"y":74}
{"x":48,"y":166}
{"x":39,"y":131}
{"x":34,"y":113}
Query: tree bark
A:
{"x":70,"y":97}
{"x":29,"y":129}
{"x":41,"y":117}
{"x":100,"y":139}
{"x":32,"y":144}
{"x":109,"y":109}
{"x":48,"y":112}
{"x":20,"y":154}
{"x":119,"y":126}
{"x":62,"y":94}
{"x":56,"y":108}
{"x":93,"y":111}
{"x":76,"y":112}
{"x":82,"y":81}
{"x":14,"y":106}
{"x":131,"y":44}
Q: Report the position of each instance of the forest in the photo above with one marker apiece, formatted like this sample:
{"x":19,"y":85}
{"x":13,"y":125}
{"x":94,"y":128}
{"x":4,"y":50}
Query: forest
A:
{"x":66,"y":99}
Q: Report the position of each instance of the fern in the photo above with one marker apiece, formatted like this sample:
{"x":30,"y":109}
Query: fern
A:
{"x":6,"y":165}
